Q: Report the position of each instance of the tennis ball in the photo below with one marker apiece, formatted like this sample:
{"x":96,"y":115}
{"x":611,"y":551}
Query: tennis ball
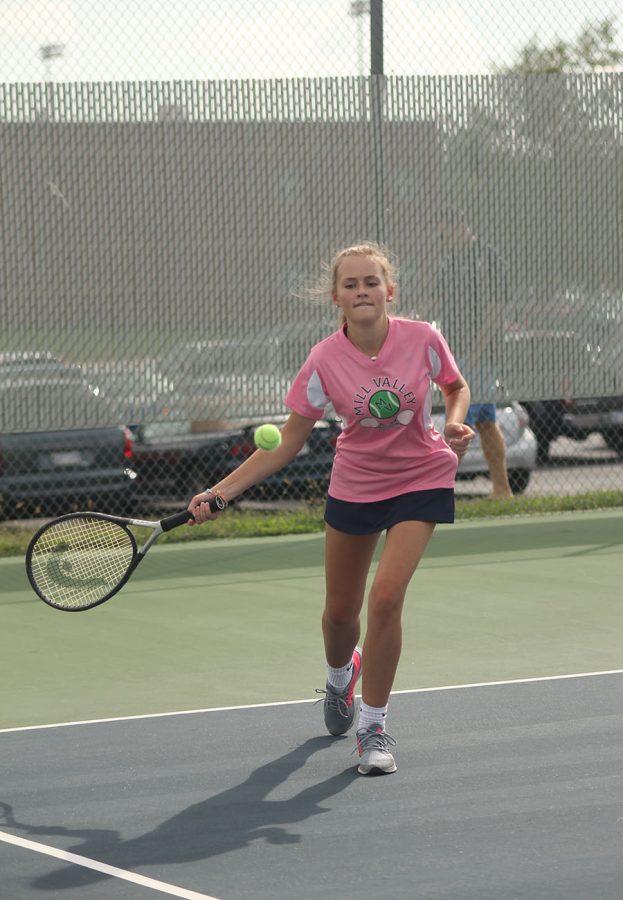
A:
{"x":267,"y":437}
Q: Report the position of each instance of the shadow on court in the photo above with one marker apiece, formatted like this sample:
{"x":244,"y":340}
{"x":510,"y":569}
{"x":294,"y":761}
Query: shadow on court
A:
{"x":503,"y":791}
{"x":230,"y":820}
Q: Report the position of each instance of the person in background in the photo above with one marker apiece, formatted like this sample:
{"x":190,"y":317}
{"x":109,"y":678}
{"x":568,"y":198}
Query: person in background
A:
{"x":392,"y":472}
{"x":472,"y":296}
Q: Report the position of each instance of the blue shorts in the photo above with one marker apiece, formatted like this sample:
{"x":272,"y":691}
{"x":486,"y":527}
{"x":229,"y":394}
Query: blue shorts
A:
{"x":480,"y":412}
{"x":436,"y":505}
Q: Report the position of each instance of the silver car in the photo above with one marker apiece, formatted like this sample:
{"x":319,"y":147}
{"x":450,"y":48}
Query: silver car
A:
{"x":521,"y":447}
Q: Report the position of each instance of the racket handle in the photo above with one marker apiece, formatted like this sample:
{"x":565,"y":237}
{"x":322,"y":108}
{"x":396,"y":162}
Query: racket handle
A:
{"x":182,"y":518}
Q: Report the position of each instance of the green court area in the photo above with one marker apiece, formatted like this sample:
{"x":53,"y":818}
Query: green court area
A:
{"x":235,"y":622}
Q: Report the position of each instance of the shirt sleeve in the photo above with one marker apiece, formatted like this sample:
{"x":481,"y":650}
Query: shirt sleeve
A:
{"x":443,"y":367}
{"x":307,"y":395}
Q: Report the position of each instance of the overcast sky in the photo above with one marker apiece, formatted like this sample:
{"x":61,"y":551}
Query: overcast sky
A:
{"x":111,"y":40}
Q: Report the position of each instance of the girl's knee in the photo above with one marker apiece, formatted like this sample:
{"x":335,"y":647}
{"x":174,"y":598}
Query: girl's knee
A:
{"x":386,"y":601}
{"x":340,"y":616}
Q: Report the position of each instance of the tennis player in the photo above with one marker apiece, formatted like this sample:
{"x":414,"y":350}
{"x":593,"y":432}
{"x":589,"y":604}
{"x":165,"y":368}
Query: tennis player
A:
{"x":392,"y":472}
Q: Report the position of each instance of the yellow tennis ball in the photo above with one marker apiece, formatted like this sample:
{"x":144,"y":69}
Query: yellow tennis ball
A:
{"x":267,"y":437}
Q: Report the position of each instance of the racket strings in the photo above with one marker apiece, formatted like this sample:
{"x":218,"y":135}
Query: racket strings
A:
{"x":79,"y":561}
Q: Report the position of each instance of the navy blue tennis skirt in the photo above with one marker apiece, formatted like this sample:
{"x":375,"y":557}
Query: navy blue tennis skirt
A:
{"x":436,"y":505}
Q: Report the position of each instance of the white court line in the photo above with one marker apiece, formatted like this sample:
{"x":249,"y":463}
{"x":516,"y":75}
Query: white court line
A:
{"x":162,"y":886}
{"x":215,"y":709}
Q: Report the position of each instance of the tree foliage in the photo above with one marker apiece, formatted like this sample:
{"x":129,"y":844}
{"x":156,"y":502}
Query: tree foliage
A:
{"x":594,"y":48}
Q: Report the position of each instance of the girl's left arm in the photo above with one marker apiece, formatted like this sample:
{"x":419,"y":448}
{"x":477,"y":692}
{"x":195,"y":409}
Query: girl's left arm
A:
{"x":456,"y":398}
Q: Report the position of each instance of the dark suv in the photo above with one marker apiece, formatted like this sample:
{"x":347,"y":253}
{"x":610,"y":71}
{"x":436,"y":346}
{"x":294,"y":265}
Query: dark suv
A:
{"x":575,"y":342}
{"x":577,"y":419}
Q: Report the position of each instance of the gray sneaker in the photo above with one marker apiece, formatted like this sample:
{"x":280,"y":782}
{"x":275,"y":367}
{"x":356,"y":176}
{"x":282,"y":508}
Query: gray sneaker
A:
{"x":373,"y":747}
{"x":339,"y":704}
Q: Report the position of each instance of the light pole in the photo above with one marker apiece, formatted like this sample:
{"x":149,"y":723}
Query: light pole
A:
{"x":48,"y":53}
{"x":359,"y":9}
{"x":377,"y":104}
{"x":374,"y":9}
{"x":376,"y":37}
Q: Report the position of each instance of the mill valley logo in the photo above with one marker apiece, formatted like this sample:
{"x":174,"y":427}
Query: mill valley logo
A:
{"x":385,"y":404}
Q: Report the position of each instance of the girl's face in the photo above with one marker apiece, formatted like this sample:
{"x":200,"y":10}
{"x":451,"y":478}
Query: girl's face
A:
{"x":361,"y":289}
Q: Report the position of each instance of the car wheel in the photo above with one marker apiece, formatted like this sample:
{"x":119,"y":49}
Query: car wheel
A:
{"x":542,"y":450}
{"x":614,"y":439}
{"x":546,"y":423}
{"x":518,"y":480}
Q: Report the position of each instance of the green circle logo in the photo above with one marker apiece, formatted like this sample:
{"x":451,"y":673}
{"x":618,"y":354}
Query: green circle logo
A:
{"x":384,"y":404}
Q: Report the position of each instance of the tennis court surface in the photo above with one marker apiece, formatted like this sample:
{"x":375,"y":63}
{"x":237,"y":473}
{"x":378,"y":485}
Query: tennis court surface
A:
{"x":197,"y":766}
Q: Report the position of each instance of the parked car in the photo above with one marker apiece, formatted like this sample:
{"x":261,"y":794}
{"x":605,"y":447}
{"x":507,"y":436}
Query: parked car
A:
{"x":135,"y":392}
{"x":44,"y":393}
{"x":574,"y":341}
{"x":58,"y":448}
{"x":521,"y":447}
{"x":173,"y":460}
{"x":17,"y":365}
{"x":576,"y":419}
{"x":306,"y":477}
{"x":219,"y":381}
{"x":55,"y":472}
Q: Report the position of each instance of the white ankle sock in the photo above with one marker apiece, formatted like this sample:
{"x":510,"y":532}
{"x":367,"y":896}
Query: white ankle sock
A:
{"x":339,"y":678}
{"x":371,"y":715}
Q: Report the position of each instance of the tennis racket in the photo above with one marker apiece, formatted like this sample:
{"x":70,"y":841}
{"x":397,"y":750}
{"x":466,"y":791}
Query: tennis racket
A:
{"x":80,"y":560}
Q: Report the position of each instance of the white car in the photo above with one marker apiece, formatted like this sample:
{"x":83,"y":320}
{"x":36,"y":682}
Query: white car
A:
{"x":224,"y":381}
{"x":521,"y":447}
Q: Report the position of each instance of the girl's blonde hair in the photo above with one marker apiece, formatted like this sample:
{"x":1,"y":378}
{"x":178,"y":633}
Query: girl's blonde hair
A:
{"x":366,"y":248}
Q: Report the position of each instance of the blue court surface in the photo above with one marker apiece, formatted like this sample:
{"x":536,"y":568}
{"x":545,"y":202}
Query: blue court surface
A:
{"x":503,"y":791}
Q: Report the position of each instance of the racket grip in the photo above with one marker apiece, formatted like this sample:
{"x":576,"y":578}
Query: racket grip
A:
{"x":182,"y":518}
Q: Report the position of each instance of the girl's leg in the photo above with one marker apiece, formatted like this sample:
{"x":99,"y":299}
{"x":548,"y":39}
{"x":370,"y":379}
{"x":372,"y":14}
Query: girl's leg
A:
{"x":404,"y":547}
{"x":347,"y":563}
{"x":348,"y":559}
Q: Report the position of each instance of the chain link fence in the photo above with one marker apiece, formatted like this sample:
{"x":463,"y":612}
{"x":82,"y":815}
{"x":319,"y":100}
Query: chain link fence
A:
{"x":174,"y":180}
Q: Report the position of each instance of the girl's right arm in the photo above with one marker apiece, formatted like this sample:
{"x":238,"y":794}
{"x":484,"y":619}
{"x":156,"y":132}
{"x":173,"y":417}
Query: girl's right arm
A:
{"x":260,"y":465}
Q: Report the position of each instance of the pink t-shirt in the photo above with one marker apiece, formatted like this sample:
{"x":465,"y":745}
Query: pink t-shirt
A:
{"x":388,"y":445}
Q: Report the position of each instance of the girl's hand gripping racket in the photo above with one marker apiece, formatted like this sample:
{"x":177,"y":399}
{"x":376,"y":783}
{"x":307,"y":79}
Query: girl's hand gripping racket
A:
{"x":82,"y":559}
